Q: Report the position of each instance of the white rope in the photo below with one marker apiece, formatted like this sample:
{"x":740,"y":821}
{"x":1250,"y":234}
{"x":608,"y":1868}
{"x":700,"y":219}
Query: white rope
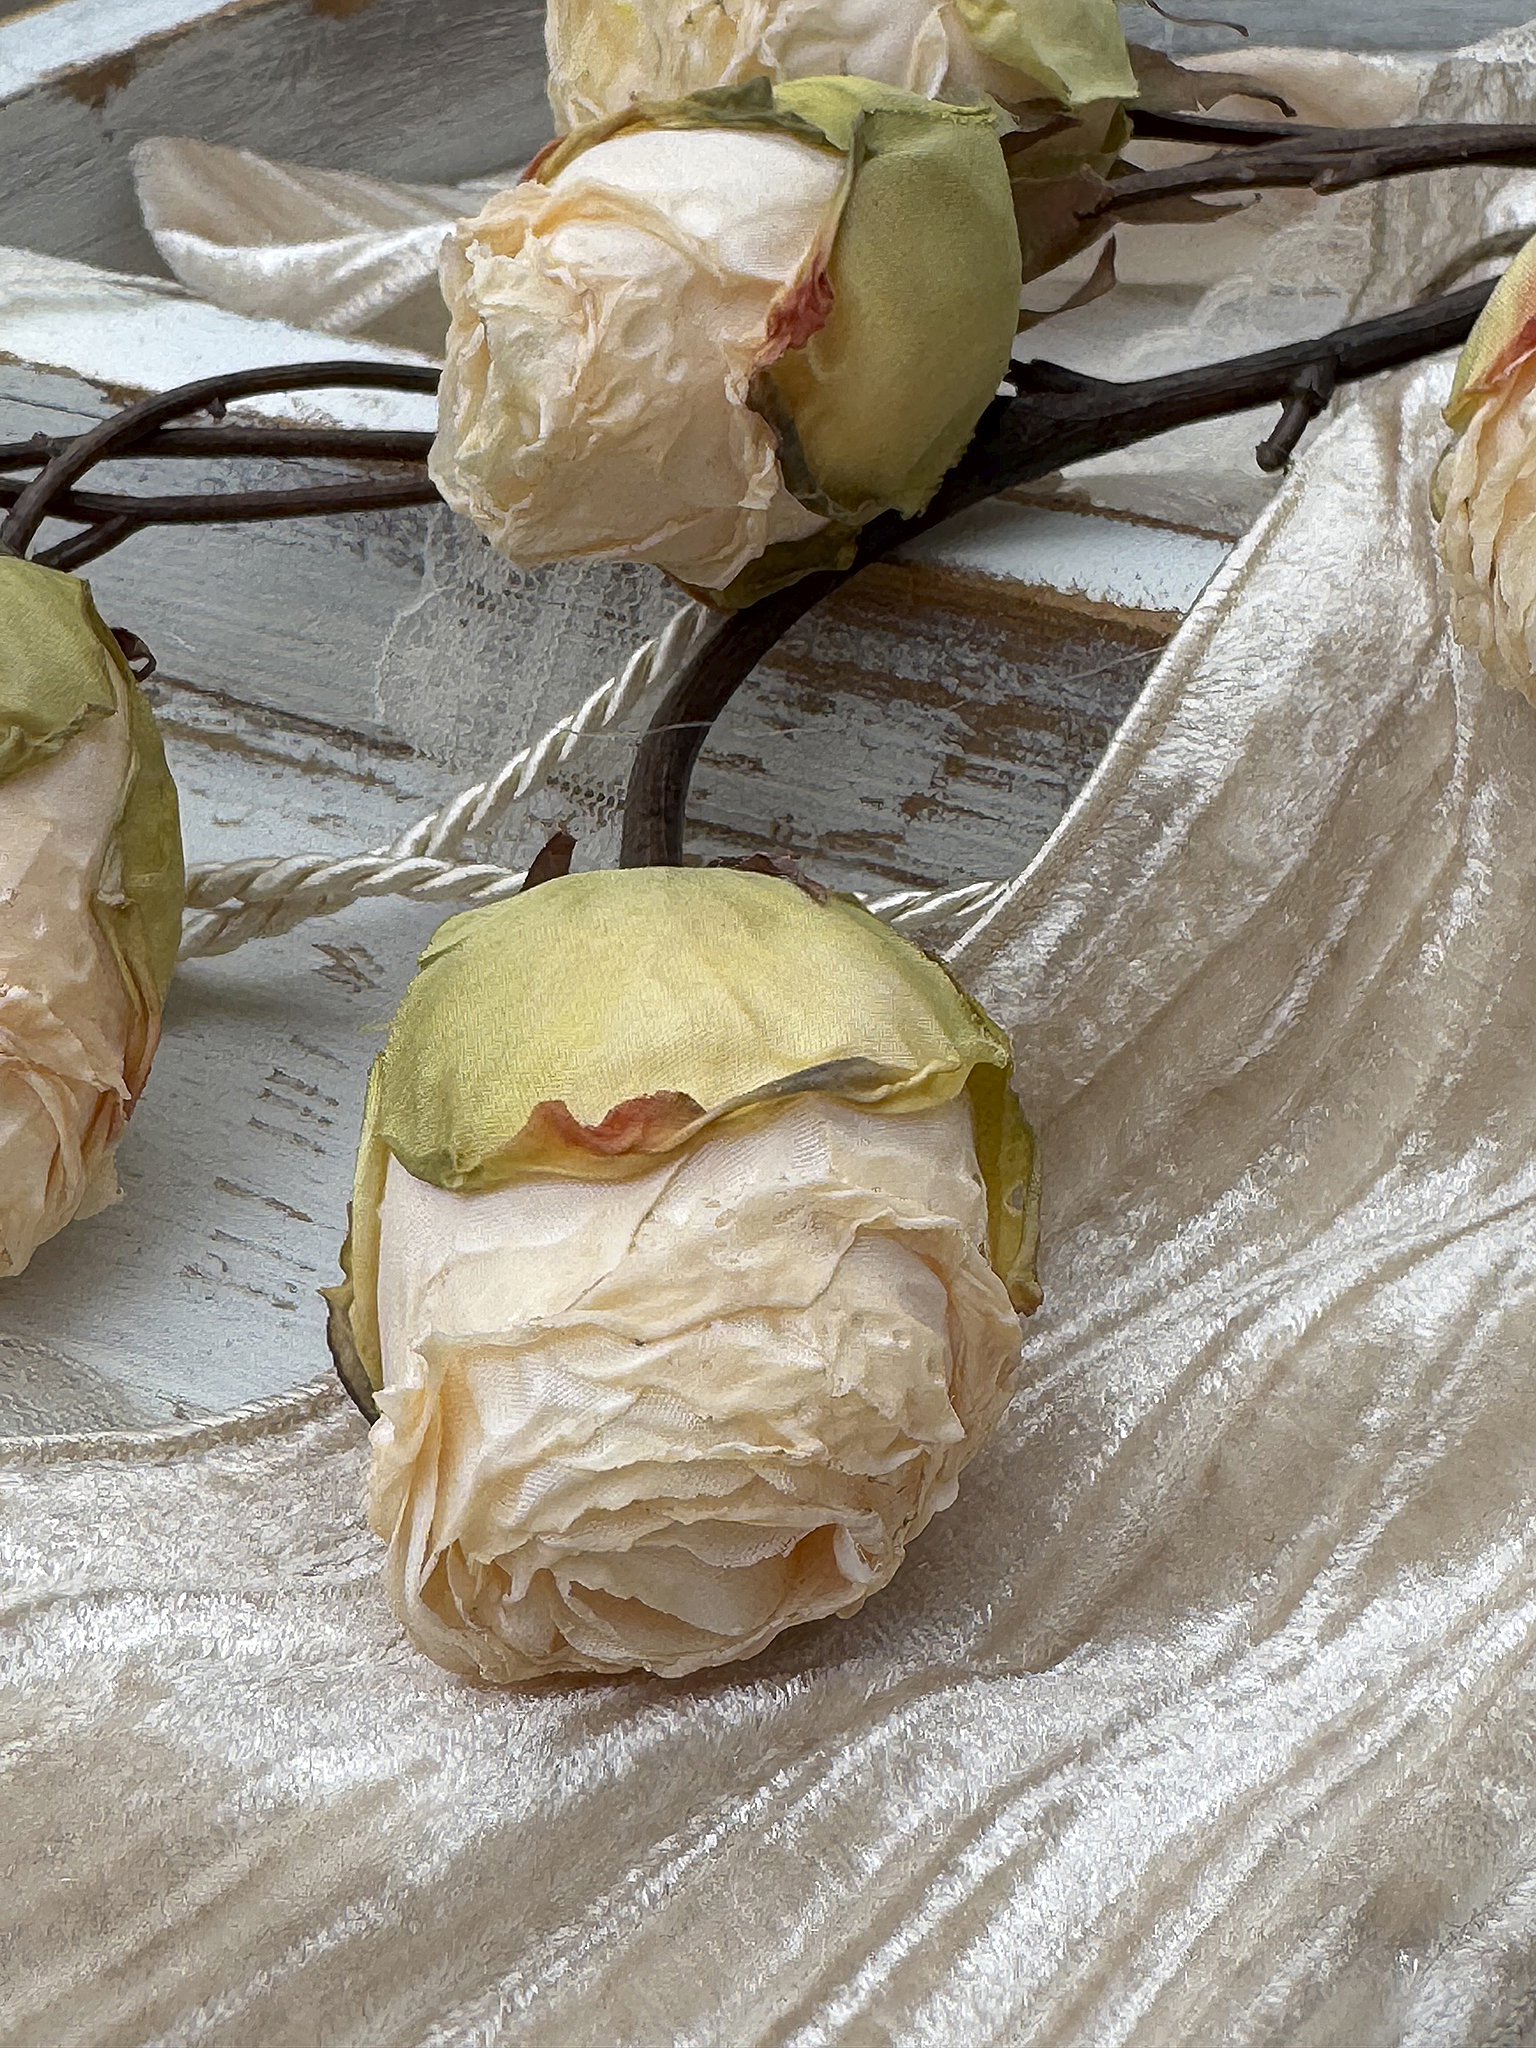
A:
{"x":257,"y":899}
{"x":933,"y":906}
{"x":234,"y":901}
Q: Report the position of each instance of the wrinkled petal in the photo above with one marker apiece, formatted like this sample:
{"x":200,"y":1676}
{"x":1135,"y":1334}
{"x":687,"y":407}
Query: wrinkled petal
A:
{"x":601,"y":58}
{"x":1486,"y":488}
{"x":589,"y":1026}
{"x":605,"y":330}
{"x":654,"y":1422}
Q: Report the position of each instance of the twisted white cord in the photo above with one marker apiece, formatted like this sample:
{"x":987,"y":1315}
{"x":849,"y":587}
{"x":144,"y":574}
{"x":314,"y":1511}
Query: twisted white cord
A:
{"x":261,"y":898}
{"x":933,"y":906}
{"x":264,"y":897}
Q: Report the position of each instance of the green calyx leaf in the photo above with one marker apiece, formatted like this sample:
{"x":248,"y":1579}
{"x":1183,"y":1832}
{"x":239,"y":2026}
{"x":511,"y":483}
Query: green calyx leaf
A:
{"x":605,"y":1020}
{"x":58,"y":664}
{"x":752,"y":105}
{"x":142,"y":889}
{"x":60,"y":671}
{"x":925,"y":275}
{"x":1075,"y":49}
{"x":1505,"y":334}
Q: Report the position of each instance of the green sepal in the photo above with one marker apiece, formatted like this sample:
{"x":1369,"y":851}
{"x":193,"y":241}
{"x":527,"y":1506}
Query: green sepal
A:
{"x":1075,"y":49}
{"x":752,"y":105}
{"x":925,"y":277}
{"x":360,"y":1375}
{"x":602,"y":1021}
{"x":142,"y":890}
{"x":58,"y":664}
{"x":61,"y":670}
{"x":1504,"y":335}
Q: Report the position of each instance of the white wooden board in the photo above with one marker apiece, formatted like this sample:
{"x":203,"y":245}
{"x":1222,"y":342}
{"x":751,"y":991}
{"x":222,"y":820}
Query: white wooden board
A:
{"x":324,"y":682}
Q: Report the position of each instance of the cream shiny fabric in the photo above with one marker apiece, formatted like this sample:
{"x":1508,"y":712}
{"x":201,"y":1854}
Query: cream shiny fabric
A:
{"x":333,"y":250}
{"x":1206,"y":1713}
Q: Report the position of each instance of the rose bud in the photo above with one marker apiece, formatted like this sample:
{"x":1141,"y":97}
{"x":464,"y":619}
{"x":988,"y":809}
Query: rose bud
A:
{"x":743,"y":321}
{"x":1485,"y":487}
{"x":602,"y":57}
{"x":91,"y":890}
{"x":687,"y":1215}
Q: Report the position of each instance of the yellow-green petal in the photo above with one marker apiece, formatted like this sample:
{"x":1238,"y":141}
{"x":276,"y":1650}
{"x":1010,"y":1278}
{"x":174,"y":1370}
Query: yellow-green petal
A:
{"x":601,"y":1020}
{"x":1505,"y":332}
{"x":1074,"y":48}
{"x":925,"y":277}
{"x":57,"y":663}
{"x":60,"y":670}
{"x":142,"y":888}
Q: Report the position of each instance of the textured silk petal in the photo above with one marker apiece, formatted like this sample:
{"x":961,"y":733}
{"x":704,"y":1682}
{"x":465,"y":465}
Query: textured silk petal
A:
{"x":605,"y":331}
{"x":1205,"y":1715}
{"x":655,"y":1422}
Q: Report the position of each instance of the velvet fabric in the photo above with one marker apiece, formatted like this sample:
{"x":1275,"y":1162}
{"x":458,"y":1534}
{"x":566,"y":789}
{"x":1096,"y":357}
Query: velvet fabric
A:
{"x":1208,"y":1711}
{"x":1205,"y":1714}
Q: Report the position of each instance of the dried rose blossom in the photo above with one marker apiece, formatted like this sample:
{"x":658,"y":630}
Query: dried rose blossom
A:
{"x":1485,"y":487}
{"x":742,"y":322}
{"x":91,"y":889}
{"x":687,"y":1215}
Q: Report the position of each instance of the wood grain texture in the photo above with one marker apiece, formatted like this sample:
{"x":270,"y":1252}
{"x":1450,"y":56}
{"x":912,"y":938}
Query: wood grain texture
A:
{"x":428,"y":93}
{"x":324,"y":683}
{"x":925,"y":727}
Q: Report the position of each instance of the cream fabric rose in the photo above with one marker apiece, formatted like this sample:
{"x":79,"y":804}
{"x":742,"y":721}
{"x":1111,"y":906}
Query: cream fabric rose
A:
{"x":736,"y":323}
{"x":90,"y":904}
{"x":1485,"y":488}
{"x":604,"y":55}
{"x":690,"y":1222}
{"x":605,"y":331}
{"x":656,"y":1421}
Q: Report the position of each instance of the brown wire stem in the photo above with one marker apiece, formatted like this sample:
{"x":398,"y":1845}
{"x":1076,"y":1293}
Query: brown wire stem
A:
{"x":85,"y":546}
{"x":1058,"y":417}
{"x":385,"y":444}
{"x":1151,"y":126}
{"x":1327,"y":159}
{"x":120,"y":434}
{"x":207,"y":508}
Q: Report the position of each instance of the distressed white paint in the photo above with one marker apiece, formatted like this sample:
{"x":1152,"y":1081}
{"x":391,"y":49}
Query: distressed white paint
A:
{"x":141,"y":334}
{"x":1105,"y":561}
{"x":325,"y":681}
{"x":43,"y":42}
{"x":428,"y":93}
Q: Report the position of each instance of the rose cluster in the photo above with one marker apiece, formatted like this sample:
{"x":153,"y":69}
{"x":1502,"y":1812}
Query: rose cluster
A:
{"x":694,"y":1210}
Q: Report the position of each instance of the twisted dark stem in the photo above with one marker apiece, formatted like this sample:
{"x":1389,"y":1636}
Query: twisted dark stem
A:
{"x":120,"y":434}
{"x":1057,"y":417}
{"x":389,"y":444}
{"x":85,"y":546}
{"x":1326,"y":159}
{"x":1215,"y":132}
{"x":208,"y":508}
